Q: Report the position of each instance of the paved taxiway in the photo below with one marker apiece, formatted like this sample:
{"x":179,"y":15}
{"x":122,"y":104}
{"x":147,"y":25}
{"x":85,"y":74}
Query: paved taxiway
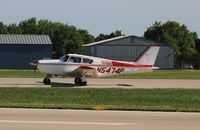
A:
{"x":40,"y":119}
{"x":102,"y":83}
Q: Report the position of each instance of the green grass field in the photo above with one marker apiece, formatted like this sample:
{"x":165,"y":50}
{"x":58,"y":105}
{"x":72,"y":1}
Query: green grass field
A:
{"x":164,"y":74}
{"x":184,"y":100}
{"x":20,"y":74}
{"x":158,"y":74}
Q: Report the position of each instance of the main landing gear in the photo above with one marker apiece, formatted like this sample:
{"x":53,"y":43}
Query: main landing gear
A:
{"x":80,"y":81}
{"x":47,"y":80}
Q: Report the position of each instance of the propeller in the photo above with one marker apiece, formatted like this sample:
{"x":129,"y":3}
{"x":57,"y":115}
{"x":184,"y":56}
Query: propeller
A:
{"x":34,"y":65}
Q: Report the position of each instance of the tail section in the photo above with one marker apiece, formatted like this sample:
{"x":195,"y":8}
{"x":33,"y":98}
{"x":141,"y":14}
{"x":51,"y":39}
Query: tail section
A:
{"x":148,"y":57}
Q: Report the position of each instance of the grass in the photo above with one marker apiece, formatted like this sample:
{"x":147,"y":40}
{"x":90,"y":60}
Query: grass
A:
{"x":184,"y":100}
{"x":164,"y":74}
{"x":20,"y":74}
{"x":157,"y":74}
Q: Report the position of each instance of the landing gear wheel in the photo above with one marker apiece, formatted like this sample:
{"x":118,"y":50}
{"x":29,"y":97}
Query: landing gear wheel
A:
{"x":79,"y":81}
{"x":46,"y":81}
{"x":84,"y":83}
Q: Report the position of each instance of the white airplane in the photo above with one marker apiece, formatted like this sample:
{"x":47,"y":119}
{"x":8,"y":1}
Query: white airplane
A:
{"x":82,"y":66}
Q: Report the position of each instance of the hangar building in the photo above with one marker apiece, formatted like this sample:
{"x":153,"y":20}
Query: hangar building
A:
{"x":17,"y":51}
{"x":128,"y":48}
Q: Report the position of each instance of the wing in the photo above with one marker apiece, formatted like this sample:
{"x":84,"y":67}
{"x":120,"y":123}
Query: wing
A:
{"x":88,"y":71}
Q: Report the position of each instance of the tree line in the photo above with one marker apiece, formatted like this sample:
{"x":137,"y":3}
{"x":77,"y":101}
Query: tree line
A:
{"x":65,"y":38}
{"x":69,"y":39}
{"x":176,"y":35}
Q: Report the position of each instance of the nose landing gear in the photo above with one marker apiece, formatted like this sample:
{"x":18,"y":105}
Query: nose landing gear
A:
{"x":47,"y":80}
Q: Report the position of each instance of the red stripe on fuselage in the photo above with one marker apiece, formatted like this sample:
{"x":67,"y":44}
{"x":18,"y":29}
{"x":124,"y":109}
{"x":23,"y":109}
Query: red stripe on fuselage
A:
{"x":122,"y":64}
{"x":86,"y":67}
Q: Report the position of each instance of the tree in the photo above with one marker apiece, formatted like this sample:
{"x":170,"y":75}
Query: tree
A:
{"x":86,"y":37}
{"x":111,"y":35}
{"x":3,"y":28}
{"x":174,"y":34}
{"x":29,"y":26}
{"x":45,"y":27}
{"x":65,"y":38}
{"x":14,"y":29}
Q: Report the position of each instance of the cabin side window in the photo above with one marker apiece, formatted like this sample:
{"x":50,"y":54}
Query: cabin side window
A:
{"x":87,"y":61}
{"x":74,"y":60}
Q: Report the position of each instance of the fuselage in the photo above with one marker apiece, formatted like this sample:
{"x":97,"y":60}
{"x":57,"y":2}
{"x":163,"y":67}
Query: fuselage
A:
{"x":75,"y":65}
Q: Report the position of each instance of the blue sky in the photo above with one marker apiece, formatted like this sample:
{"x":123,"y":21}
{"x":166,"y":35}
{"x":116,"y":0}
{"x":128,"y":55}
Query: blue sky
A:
{"x":105,"y":16}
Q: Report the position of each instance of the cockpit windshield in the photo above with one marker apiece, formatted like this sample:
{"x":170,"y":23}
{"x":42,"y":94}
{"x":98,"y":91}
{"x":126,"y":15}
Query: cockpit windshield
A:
{"x":64,"y":58}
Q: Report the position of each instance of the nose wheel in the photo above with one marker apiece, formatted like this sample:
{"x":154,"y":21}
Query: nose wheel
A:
{"x":47,"y":81}
{"x":80,"y":81}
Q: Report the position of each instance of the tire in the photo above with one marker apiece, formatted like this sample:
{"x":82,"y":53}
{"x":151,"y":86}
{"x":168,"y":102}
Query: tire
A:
{"x":77,"y":81}
{"x":47,"y":81}
{"x":84,"y":83}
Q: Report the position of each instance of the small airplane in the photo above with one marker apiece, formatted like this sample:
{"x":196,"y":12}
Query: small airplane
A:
{"x":82,"y":66}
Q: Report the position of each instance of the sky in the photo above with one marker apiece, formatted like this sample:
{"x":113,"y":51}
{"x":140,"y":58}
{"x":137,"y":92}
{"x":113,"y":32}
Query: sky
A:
{"x":132,"y":17}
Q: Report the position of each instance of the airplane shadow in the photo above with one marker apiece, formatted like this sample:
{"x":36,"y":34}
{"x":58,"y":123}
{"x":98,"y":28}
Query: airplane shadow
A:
{"x":71,"y":85}
{"x":63,"y":85}
{"x":66,"y":85}
{"x":126,"y":85}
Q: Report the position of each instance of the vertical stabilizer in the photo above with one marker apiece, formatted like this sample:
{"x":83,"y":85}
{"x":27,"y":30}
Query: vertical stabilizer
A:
{"x":148,"y":57}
